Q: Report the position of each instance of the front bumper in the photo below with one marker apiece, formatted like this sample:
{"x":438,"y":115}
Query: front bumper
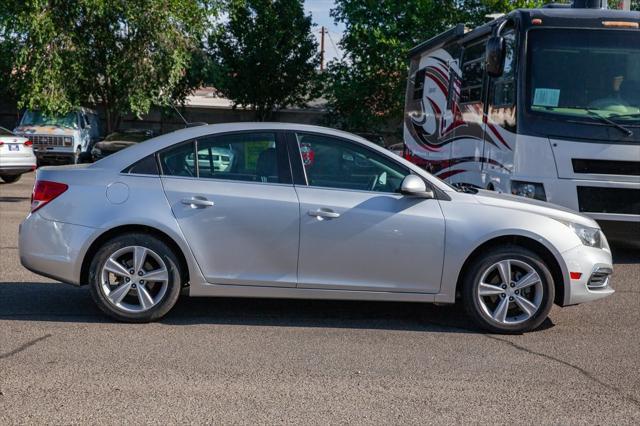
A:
{"x":53,"y":249}
{"x":55,"y":154}
{"x":590,"y":263}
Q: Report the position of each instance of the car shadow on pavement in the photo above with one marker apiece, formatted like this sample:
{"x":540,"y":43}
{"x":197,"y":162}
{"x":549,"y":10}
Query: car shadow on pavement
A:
{"x":55,"y":302}
{"x":13,"y":199}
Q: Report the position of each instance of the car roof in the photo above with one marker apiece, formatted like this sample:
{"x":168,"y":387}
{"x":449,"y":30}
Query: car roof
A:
{"x":125,"y":158}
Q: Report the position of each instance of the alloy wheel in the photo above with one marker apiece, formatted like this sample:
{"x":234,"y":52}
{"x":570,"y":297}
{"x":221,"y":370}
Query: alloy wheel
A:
{"x":510,"y":292}
{"x":134,"y":279}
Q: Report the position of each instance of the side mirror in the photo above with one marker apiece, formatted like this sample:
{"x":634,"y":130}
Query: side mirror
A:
{"x":414,"y":186}
{"x":495,"y":54}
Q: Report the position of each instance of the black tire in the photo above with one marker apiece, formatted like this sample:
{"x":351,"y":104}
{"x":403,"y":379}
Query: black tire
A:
{"x":471,"y":282}
{"x":11,"y":178}
{"x":166,"y":302}
{"x":77,"y":156}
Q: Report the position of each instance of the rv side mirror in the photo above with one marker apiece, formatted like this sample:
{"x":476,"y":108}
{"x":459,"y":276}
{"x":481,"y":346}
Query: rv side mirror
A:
{"x":496,"y":49}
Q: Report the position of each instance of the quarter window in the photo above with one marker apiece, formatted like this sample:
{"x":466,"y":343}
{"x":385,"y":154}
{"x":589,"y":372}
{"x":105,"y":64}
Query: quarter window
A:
{"x":336,"y":163}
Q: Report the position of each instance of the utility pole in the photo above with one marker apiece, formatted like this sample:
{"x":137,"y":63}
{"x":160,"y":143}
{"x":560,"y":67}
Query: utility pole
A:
{"x":322,"y":33}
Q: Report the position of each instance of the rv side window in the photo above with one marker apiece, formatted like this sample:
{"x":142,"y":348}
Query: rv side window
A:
{"x":504,"y":87}
{"x":472,"y":73}
{"x":418,"y":85}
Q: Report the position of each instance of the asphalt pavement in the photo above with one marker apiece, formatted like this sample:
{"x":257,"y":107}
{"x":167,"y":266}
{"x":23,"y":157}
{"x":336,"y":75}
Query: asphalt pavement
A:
{"x":230,"y":361}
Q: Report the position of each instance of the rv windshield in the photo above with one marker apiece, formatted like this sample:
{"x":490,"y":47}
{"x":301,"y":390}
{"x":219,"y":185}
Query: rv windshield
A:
{"x":585,"y":73}
{"x":37,"y":118}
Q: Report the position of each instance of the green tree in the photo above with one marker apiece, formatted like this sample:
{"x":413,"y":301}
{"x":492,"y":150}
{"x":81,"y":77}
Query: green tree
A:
{"x":125,"y":55}
{"x":265,"y":56}
{"x":365,"y":90}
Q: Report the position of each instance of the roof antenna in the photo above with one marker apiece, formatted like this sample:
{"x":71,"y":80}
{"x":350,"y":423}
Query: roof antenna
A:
{"x":186,"y":123}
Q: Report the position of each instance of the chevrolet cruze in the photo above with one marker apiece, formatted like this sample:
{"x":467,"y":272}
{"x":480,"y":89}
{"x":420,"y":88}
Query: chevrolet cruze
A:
{"x":302,"y":212}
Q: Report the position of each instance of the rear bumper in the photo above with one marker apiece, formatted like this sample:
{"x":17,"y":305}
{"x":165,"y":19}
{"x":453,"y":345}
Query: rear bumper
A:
{"x":16,"y":170}
{"x":53,"y":249}
{"x":587,"y":261}
{"x":17,"y":165}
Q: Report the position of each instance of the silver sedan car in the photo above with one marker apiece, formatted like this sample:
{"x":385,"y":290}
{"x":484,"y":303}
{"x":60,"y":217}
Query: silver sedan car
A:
{"x":302,"y":212}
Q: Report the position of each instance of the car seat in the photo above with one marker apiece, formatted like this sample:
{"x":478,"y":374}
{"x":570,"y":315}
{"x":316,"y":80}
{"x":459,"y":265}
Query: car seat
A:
{"x":267,"y":166}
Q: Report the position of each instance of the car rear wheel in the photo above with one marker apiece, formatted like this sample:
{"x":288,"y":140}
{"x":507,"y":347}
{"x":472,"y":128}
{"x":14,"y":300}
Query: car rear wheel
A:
{"x":11,"y":178}
{"x":135,"y":278}
{"x":508,"y":290}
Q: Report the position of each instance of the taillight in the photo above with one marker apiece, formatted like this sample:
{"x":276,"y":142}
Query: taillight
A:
{"x":28,"y":143}
{"x":45,"y":191}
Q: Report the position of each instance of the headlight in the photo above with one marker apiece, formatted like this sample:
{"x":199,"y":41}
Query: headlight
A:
{"x":591,"y":237}
{"x":528,"y":189}
{"x":68,"y":141}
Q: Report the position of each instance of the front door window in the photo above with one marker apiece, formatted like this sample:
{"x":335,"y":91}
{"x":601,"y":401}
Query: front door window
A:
{"x":334,"y":163}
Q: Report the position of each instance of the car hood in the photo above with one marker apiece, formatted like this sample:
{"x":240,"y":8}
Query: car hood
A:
{"x":45,"y":130}
{"x":542,"y":208}
{"x":114,"y":145}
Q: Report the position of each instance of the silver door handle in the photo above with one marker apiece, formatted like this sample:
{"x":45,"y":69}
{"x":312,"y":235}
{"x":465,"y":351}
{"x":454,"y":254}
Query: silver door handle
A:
{"x":324,"y":214}
{"x":197,"y":202}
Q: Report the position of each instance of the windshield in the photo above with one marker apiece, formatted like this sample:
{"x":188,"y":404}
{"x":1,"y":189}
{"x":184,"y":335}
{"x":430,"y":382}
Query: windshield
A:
{"x":580,"y":73}
{"x":37,"y":118}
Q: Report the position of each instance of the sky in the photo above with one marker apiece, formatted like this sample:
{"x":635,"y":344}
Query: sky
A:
{"x":319,"y":10}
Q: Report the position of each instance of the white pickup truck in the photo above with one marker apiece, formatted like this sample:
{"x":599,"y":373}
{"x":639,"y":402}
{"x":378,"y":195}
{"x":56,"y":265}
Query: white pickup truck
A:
{"x":66,"y":138}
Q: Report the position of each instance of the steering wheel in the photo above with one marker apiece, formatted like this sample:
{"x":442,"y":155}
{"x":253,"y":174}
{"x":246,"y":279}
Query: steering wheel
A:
{"x":373,"y":185}
{"x":378,"y":179}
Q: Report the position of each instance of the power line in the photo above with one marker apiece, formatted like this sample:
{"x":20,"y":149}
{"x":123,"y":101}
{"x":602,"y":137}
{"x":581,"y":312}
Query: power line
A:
{"x":333,"y":44}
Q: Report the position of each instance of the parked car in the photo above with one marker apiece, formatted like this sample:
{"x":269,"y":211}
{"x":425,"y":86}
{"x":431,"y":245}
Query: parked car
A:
{"x":119,"y":140}
{"x":16,"y":156}
{"x":219,"y":159}
{"x":346,"y":220}
{"x":65,"y":138}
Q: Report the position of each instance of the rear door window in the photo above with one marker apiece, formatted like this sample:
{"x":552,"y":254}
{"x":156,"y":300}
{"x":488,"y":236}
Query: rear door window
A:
{"x":178,"y":161}
{"x":248,"y":157}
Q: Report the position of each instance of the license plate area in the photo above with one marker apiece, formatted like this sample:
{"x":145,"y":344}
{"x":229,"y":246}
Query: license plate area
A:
{"x":14,"y":147}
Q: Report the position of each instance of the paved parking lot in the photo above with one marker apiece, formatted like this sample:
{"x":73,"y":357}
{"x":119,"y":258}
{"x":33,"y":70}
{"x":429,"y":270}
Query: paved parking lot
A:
{"x":278,"y":361}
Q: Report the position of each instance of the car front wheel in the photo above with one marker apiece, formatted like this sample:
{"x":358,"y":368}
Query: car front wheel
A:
{"x":135,"y":278}
{"x":77,"y":156}
{"x":508,"y":290}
